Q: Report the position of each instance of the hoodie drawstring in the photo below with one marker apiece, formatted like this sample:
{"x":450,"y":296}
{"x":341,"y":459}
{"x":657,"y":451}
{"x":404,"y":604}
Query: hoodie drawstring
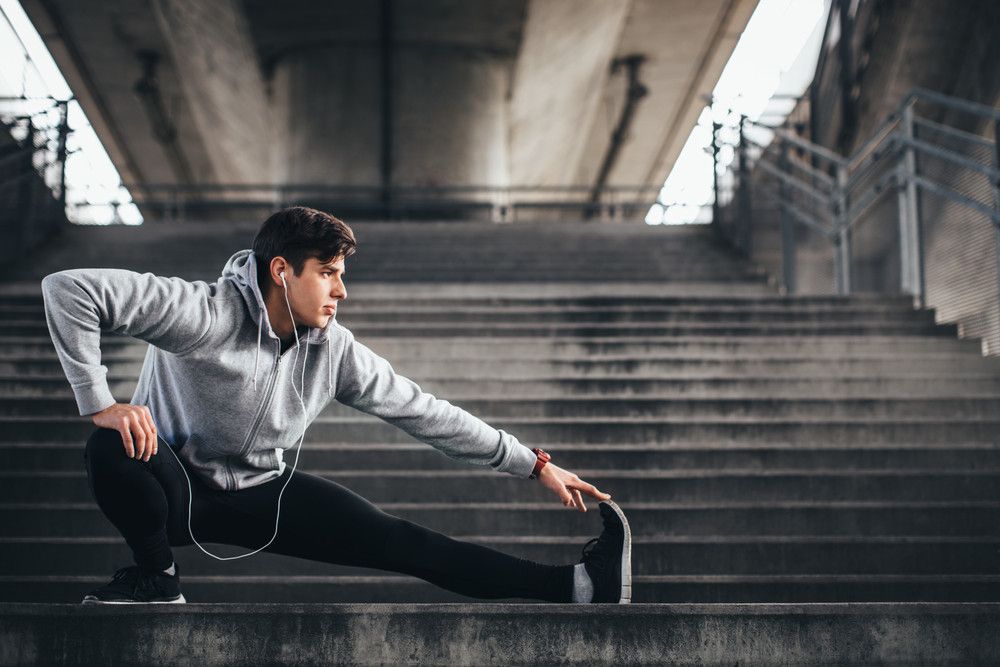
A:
{"x":256,"y":357}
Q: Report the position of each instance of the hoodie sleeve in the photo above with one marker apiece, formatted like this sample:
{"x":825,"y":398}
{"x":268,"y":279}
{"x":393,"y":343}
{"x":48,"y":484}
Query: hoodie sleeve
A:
{"x":169,"y":313}
{"x":368,"y":383}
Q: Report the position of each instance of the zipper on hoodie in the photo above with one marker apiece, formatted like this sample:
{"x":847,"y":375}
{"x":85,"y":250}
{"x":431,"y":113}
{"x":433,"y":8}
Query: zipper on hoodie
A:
{"x":268,"y":394}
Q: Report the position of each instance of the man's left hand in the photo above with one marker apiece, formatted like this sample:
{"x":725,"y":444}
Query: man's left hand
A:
{"x":568,"y":486}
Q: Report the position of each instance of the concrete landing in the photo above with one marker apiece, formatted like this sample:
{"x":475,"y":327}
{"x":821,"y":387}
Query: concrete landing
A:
{"x":501,"y":634}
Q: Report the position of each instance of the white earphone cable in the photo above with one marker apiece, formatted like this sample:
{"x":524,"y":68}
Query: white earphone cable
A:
{"x":297,"y":451}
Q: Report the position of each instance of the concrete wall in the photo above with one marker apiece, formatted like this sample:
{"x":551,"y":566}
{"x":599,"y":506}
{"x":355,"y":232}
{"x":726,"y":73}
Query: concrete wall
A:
{"x":447,"y":97}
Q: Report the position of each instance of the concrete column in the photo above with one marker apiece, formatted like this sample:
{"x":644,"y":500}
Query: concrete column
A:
{"x":210,"y":44}
{"x":448,"y":117}
{"x":450,"y":121}
{"x":326,"y":105}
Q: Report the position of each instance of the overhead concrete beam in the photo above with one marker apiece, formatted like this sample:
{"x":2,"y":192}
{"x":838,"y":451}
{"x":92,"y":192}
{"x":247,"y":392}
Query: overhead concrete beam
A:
{"x":559,"y":77}
{"x":687,"y":44}
{"x":209,"y":40}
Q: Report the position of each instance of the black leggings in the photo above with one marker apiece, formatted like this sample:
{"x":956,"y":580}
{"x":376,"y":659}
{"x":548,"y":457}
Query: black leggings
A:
{"x":320,"y":520}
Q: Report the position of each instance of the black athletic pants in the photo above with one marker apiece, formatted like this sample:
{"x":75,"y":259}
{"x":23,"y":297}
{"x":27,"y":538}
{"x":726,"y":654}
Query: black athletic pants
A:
{"x":320,"y":520}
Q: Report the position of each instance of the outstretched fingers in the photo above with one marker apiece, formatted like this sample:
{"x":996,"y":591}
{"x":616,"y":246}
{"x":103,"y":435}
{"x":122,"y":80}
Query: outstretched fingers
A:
{"x":589,"y":489}
{"x":577,"y":487}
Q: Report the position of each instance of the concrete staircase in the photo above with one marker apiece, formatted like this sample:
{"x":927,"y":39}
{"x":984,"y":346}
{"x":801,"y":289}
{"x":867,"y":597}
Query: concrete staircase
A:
{"x":794,"y":452}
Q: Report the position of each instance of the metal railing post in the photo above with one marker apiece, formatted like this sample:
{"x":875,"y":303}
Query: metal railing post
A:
{"x":996,"y":197}
{"x":61,"y":152}
{"x":842,"y":266}
{"x":744,"y":191}
{"x":904,"y":213}
{"x":910,"y":237}
{"x":787,"y":231}
{"x":715,"y":173}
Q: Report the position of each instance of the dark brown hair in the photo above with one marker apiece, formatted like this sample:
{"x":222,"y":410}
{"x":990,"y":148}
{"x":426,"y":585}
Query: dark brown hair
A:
{"x":298,"y":233}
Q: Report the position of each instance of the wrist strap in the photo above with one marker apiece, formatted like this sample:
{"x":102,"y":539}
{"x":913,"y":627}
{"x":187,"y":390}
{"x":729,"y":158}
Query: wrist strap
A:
{"x":543,"y":458}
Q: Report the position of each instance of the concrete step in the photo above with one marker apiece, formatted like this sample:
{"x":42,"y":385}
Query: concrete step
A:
{"x":294,"y":588}
{"x":708,"y":555}
{"x":562,"y":347}
{"x":518,"y":405}
{"x":368,"y":634}
{"x":694,"y":328}
{"x":68,"y":455}
{"x":639,"y":486}
{"x":512,"y":295}
{"x":491,"y":271}
{"x":906,"y":386}
{"x":350,"y":315}
{"x":608,"y":367}
{"x":11,"y":353}
{"x":439,"y":350}
{"x":503,"y":328}
{"x":351,"y":318}
{"x":678,"y":346}
{"x":598,"y":430}
{"x":369,"y":295}
{"x":873,"y":517}
{"x":505,"y":287}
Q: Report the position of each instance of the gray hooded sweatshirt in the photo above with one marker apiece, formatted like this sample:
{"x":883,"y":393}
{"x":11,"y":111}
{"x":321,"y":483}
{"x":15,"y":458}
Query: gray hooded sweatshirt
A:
{"x":220,"y":389}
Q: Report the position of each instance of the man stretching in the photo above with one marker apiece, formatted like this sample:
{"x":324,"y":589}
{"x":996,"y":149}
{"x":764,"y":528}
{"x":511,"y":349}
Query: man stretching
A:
{"x":221,"y":387}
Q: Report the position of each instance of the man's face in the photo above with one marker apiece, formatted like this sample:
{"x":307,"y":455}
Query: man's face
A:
{"x":314,"y":293}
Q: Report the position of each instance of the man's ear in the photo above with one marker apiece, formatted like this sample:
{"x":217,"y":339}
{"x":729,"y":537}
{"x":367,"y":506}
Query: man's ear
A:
{"x":278,"y":264}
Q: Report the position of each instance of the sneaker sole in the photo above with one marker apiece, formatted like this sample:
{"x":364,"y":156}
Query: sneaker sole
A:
{"x":626,"y":570}
{"x":90,"y":599}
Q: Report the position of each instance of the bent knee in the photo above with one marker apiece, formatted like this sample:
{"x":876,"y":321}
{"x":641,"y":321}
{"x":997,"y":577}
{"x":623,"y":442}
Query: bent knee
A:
{"x":104,"y":443}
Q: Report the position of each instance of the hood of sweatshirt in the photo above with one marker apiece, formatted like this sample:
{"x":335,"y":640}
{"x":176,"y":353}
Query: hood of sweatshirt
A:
{"x":241,"y":269}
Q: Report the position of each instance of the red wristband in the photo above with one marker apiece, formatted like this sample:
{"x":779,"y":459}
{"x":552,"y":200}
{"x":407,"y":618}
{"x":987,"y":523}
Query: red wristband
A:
{"x":543,"y":458}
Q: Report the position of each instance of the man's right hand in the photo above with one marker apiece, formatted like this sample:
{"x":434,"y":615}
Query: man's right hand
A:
{"x":135,"y":423}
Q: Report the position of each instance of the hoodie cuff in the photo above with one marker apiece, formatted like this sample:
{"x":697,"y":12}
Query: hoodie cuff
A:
{"x":518,"y":460}
{"x":93,"y":397}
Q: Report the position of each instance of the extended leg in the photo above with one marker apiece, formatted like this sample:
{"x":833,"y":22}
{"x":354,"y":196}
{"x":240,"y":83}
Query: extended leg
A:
{"x":325,"y":521}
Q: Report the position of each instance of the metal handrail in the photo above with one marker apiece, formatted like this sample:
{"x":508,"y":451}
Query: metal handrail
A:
{"x":325,"y":187}
{"x":943,"y":154}
{"x":953,"y":132}
{"x":803,"y":217}
{"x":958,"y":103}
{"x":945,"y":191}
{"x":805,"y":144}
{"x":864,"y":167}
{"x":870,"y":196}
{"x":794,"y":182}
{"x":879,"y":133}
{"x":892,"y":141}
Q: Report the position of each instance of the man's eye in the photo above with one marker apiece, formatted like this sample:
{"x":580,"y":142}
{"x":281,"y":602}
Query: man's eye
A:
{"x":327,"y":273}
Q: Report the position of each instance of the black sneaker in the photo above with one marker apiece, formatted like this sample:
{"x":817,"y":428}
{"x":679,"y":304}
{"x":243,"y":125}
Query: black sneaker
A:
{"x":133,"y":585}
{"x":608,"y":558}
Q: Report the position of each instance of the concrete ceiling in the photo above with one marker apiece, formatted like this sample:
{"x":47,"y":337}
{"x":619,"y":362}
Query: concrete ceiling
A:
{"x":500,"y":92}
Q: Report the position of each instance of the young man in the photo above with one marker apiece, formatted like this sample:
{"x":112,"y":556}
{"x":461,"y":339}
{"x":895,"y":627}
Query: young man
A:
{"x":225,"y":388}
